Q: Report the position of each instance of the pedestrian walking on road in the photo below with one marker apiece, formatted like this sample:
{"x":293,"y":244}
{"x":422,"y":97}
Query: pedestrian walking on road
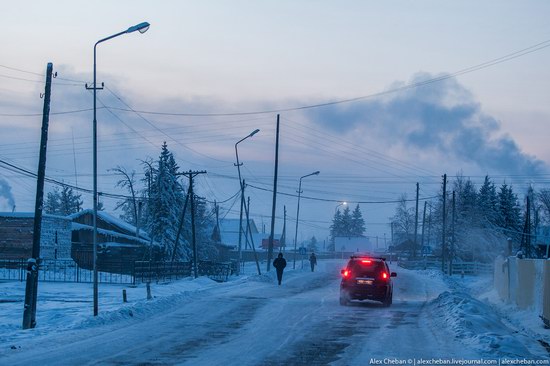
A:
{"x":279,"y":263}
{"x":312,"y":261}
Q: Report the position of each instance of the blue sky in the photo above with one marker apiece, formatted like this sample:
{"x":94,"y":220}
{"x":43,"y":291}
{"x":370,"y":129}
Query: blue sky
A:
{"x":221,"y":56}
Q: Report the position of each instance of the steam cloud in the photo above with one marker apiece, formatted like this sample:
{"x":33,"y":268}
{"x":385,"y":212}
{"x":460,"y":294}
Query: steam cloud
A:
{"x":5,"y":192}
{"x":443,"y":117}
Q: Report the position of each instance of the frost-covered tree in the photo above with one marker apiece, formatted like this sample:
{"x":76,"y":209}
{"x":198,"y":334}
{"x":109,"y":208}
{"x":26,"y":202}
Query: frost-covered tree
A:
{"x":164,"y":194}
{"x":357,"y":222}
{"x":63,"y":203}
{"x":343,"y":224}
{"x":335,"y":229}
{"x":52,"y":203}
{"x":403,"y":221}
{"x":509,"y":219}
{"x":487,"y":203}
{"x":166,"y":197}
{"x":346,"y":225}
{"x":129,"y":206}
{"x":312,"y":244}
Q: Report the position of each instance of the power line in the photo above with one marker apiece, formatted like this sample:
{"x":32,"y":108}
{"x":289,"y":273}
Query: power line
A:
{"x":51,"y":113}
{"x":160,"y":130}
{"x":496,"y":61}
{"x":337,"y":201}
{"x":28,"y":173}
{"x":528,"y":50}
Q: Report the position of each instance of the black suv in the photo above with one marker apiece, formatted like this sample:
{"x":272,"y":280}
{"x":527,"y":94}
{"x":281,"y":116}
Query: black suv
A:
{"x":367,"y":278}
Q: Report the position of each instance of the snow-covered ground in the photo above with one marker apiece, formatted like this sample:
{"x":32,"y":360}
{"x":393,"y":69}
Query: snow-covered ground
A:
{"x":252,"y":321}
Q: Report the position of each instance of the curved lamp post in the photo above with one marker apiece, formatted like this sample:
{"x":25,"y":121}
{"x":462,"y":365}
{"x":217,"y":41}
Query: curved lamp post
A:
{"x":297,"y":215}
{"x":338,"y":205}
{"x":242,"y":196}
{"x":141,"y":28}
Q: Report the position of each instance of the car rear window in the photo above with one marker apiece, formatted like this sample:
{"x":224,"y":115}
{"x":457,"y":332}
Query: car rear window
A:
{"x":360,"y":269}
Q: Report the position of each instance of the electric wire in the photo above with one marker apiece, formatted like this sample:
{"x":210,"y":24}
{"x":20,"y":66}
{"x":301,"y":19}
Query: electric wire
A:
{"x":525,"y":51}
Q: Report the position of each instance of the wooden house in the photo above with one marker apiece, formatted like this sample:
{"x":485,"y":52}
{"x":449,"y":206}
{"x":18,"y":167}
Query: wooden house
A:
{"x":16,"y":236}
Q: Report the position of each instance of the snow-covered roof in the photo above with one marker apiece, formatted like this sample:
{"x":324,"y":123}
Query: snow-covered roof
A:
{"x":78,"y":226}
{"x":29,"y":215}
{"x":112,"y":244}
{"x":232,"y":226}
{"x":111,"y":220}
{"x":232,"y":238}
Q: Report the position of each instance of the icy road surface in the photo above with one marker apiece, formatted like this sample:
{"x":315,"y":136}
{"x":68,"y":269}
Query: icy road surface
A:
{"x":255,"y":322}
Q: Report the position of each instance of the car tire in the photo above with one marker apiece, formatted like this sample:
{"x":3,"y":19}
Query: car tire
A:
{"x":388,"y":301}
{"x":344,"y":299}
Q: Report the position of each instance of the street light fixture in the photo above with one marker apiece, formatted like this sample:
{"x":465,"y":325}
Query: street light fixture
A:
{"x":338,"y":205}
{"x":297,"y":215}
{"x":142,"y":28}
{"x":242,"y":196}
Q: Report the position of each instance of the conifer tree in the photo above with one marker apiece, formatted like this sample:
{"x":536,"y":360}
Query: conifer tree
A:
{"x":166,"y":197}
{"x":357,"y":223}
{"x":488,"y":203}
{"x":63,"y":203}
{"x":509,"y":219}
{"x":312,"y":244}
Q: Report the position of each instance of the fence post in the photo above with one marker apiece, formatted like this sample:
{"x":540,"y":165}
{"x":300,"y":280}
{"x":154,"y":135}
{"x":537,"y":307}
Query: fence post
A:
{"x":124,"y":299}
{"x":149,"y":297}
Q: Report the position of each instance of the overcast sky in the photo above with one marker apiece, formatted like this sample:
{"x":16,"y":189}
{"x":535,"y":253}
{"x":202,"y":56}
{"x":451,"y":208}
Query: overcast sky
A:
{"x":204,"y":57}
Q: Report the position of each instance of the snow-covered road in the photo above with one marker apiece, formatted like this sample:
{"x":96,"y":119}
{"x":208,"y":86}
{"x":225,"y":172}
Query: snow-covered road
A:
{"x":255,"y":322}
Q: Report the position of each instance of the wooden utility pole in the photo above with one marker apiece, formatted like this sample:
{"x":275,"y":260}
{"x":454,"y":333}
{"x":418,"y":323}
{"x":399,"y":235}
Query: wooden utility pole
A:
{"x":31,"y":289}
{"x":423,"y":225}
{"x":444,"y":226}
{"x":191,"y":174}
{"x":415,"y":245}
{"x":249,"y":232}
{"x":274,"y":207}
{"x":429,"y":226}
{"x":452,"y":251}
{"x":526,"y":235}
{"x":180,"y":227}
{"x":283,"y":241}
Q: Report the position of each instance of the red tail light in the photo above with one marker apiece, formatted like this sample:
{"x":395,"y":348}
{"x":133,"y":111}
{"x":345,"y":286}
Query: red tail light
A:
{"x":385,"y":276}
{"x":346,"y":273}
{"x":366,"y":261}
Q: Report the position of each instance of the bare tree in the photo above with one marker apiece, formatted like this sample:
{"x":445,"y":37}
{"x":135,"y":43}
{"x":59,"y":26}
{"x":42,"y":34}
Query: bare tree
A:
{"x":127,"y":182}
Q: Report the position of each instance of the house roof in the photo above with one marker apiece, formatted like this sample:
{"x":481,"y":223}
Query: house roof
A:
{"x":123,"y":225}
{"x":29,"y":215}
{"x":116,"y":234}
{"x":232,"y":226}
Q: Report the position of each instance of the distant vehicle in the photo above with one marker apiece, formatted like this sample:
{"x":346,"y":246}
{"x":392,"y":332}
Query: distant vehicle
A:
{"x":367,"y":278}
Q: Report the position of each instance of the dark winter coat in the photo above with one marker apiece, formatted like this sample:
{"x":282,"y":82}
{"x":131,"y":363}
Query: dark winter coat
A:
{"x":313,"y":259}
{"x":279,"y":263}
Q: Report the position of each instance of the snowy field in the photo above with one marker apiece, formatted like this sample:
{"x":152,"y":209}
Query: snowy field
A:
{"x":252,"y":321}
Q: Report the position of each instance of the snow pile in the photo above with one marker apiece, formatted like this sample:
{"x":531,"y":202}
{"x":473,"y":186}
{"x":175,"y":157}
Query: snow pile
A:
{"x":476,"y":324}
{"x":67,"y":306}
{"x":525,"y":321}
{"x":143,"y":309}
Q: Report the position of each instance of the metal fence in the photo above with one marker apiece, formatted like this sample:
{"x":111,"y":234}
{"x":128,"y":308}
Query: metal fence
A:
{"x":152,"y":271}
{"x":58,"y":270}
{"x":467,"y":268}
{"x":67,"y":270}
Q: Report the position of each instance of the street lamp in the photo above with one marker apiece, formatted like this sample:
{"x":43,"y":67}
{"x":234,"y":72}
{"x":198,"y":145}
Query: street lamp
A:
{"x":242,"y":196}
{"x":141,"y":28}
{"x":298,"y":214}
{"x":338,"y":205}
